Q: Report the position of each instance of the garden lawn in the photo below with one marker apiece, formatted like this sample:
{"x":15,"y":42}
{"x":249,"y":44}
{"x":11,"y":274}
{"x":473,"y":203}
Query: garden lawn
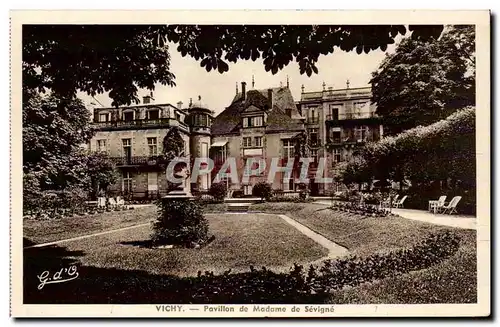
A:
{"x":240,"y":241}
{"x":44,"y":231}
{"x":360,"y":235}
{"x":452,"y":281}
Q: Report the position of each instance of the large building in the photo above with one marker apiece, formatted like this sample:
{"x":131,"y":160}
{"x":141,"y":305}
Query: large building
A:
{"x":133,"y":137}
{"x":259,"y":124}
{"x":339,"y":121}
{"x":262,"y":124}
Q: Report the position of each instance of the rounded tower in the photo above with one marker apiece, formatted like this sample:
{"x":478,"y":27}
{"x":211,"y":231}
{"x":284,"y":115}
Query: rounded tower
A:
{"x":199,"y":118}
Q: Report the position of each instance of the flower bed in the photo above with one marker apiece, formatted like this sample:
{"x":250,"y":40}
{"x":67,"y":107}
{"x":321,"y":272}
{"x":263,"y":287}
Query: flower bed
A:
{"x":366,"y":210}
{"x":82,"y":210}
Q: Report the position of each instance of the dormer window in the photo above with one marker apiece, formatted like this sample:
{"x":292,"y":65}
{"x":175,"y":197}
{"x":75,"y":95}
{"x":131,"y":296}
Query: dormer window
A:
{"x":153,"y":114}
{"x":252,"y":121}
{"x":104,"y":117}
{"x":128,"y":115}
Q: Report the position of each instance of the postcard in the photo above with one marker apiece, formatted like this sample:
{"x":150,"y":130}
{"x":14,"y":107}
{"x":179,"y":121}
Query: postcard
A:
{"x":250,"y":163}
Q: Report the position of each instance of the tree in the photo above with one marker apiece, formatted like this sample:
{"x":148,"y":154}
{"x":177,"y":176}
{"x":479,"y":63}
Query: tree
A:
{"x":101,"y":171}
{"x":53,"y":131}
{"x":119,"y":59}
{"x":426,"y":81}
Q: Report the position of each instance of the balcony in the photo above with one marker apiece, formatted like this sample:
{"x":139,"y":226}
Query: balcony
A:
{"x":312,"y":120}
{"x":137,"y":161}
{"x":314,"y":143}
{"x":139,"y":124}
{"x":352,"y":118}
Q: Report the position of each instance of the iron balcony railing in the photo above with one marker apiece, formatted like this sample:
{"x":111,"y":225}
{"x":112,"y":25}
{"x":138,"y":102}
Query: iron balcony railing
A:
{"x":312,"y":120}
{"x":138,"y":123}
{"x":136,"y":160}
{"x":352,"y":115}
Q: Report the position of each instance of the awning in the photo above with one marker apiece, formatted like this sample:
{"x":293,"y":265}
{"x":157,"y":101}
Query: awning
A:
{"x":219,"y":143}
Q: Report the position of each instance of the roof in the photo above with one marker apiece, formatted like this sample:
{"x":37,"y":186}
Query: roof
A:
{"x":229,"y":120}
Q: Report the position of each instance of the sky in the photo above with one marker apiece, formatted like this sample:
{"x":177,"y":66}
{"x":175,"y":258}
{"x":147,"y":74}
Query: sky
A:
{"x":217,"y":90}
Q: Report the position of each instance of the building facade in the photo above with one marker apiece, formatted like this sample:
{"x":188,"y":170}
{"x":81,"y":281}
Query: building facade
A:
{"x":261,"y":125}
{"x":133,"y":137}
{"x":338,"y":122}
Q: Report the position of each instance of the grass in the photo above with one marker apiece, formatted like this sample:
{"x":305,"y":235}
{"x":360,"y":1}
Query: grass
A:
{"x":452,"y":281}
{"x":240,"y":241}
{"x":43,"y":231}
{"x":244,"y":240}
{"x":362,"y":235}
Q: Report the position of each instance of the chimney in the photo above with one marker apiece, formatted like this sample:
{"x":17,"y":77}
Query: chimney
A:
{"x":146,"y":99}
{"x":179,"y":104}
{"x":270,"y":98}
{"x":243,"y":90}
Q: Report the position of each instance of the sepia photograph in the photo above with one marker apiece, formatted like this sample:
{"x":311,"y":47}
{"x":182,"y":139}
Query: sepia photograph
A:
{"x":258,"y":169}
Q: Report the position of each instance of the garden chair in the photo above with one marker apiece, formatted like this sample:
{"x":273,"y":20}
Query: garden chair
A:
{"x":435,"y":205}
{"x":452,"y":206}
{"x":112,"y":203}
{"x":399,"y":204}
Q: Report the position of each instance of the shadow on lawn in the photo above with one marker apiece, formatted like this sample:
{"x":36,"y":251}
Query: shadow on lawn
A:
{"x":115,"y":286}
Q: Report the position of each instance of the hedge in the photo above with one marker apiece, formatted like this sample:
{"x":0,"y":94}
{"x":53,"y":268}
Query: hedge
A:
{"x":255,"y":286}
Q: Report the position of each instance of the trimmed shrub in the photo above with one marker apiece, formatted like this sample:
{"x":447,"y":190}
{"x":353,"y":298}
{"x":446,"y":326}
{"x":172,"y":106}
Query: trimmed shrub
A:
{"x":218,"y":191}
{"x":262,"y":190}
{"x":255,"y":286}
{"x":180,"y":222}
{"x":334,"y":275}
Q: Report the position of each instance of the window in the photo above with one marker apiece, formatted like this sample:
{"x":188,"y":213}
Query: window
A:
{"x":333,"y":113}
{"x":336,"y":155}
{"x":127,"y":182}
{"x":314,"y":155}
{"x":247,"y":142}
{"x":313,"y":136}
{"x":335,"y":137}
{"x":128,"y":115}
{"x":257,"y":121}
{"x":361,"y":133}
{"x":288,"y":148}
{"x":153,"y":114}
{"x":252,"y":121}
{"x":312,"y":116}
{"x":178,"y":117}
{"x":101,"y":146}
{"x":153,"y":146}
{"x":127,"y":148}
{"x":152,"y":181}
{"x":288,"y":112}
{"x":258,"y":141}
{"x":104,"y":117}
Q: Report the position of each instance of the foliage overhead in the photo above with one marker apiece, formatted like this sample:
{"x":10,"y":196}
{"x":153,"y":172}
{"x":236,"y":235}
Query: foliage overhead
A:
{"x":53,"y":131}
{"x":119,"y":59}
{"x":101,"y":170}
{"x":426,"y":81}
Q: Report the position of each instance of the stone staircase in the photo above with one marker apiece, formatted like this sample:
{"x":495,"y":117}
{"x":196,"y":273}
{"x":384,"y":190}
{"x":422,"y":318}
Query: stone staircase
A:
{"x":240,"y":205}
